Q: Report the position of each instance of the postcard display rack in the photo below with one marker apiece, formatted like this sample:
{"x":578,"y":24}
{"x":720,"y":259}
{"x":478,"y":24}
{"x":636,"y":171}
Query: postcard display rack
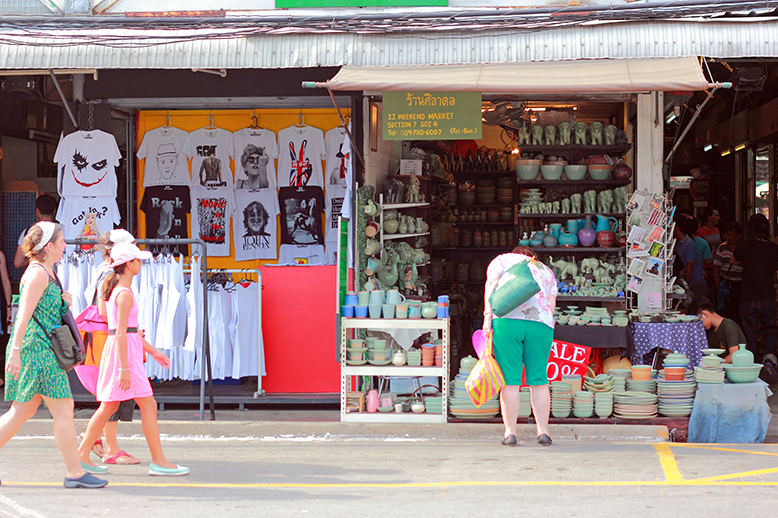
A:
{"x":348,"y":371}
{"x":650,"y":246}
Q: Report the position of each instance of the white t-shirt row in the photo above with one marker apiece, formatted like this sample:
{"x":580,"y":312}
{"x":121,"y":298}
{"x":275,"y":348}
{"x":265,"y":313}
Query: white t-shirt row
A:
{"x":254,"y":151}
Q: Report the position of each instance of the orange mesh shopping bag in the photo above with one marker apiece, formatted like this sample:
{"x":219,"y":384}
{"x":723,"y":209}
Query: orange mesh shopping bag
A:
{"x":486,"y":379}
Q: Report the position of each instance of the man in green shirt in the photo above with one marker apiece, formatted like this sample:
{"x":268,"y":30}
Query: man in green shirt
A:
{"x":723,"y":333}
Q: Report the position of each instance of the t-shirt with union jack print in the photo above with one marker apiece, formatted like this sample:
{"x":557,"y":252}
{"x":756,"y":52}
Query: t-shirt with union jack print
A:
{"x":300,"y":153}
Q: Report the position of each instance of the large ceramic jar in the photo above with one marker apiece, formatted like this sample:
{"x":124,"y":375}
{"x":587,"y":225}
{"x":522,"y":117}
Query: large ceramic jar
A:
{"x":477,"y":239}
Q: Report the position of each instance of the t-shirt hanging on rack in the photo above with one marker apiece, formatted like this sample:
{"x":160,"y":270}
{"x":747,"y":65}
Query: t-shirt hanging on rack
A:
{"x":301,"y":210}
{"x":337,"y":172}
{"x":87,"y":217}
{"x":211,"y":157}
{"x":166,"y":207}
{"x":166,"y":151}
{"x":255,"y":151}
{"x":86,"y":164}
{"x":300,"y":152}
{"x":211,"y":211}
{"x":255,"y":224}
{"x":301,"y":255}
{"x":335,"y":198}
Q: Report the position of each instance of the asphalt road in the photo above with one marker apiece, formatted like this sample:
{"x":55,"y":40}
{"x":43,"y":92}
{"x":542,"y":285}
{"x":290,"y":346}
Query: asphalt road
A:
{"x":396,"y":477}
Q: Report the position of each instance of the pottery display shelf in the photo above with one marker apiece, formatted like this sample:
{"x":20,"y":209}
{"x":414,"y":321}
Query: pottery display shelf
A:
{"x":574,"y":152}
{"x":543,"y":181}
{"x":569,"y":249}
{"x":348,"y":371}
{"x":559,"y":215}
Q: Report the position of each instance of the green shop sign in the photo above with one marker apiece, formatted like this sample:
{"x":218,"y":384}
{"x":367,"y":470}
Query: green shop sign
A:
{"x":291,"y":4}
{"x":432,"y":115}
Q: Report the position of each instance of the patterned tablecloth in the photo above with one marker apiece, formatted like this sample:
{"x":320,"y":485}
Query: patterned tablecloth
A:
{"x":683,"y":337}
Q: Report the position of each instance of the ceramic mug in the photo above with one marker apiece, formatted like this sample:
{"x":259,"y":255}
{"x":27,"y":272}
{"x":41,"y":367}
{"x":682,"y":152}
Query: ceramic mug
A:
{"x":401,"y":311}
{"x":360,"y":311}
{"x":372,"y":267}
{"x":388,"y":310}
{"x":414,"y":311}
{"x":364,"y":298}
{"x":376,"y":297}
{"x":394,"y":297}
{"x":375,"y":310}
{"x":347,"y":311}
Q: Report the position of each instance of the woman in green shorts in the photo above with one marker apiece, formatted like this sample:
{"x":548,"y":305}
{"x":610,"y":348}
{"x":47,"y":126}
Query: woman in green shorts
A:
{"x":32,"y":372}
{"x":522,"y":342}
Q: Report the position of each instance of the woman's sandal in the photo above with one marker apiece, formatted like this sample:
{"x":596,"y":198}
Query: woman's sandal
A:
{"x":122,"y":458}
{"x":97,"y":447}
{"x":509,"y":441}
{"x":544,"y":440}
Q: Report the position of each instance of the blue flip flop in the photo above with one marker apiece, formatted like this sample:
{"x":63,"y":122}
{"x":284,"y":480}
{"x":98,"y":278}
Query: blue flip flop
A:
{"x":158,"y":471}
{"x":94,"y":470}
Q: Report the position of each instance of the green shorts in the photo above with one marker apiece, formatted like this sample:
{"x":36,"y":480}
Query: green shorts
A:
{"x":522,"y":343}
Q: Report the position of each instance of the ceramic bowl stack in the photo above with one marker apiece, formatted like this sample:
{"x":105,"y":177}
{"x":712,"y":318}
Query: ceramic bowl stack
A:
{"x":561,"y":399}
{"x":603,"y":404}
{"x":676,"y":398}
{"x":620,"y":377}
{"x":595,"y":316}
{"x":525,"y":403}
{"x":635,"y":405}
{"x":620,"y":318}
{"x":414,"y":357}
{"x":428,"y":355}
{"x":583,"y":403}
{"x":504,"y":191}
{"x":600,"y":383}
{"x":433,"y":404}
{"x":485,"y":192}
{"x":641,"y":386}
{"x":459,"y":403}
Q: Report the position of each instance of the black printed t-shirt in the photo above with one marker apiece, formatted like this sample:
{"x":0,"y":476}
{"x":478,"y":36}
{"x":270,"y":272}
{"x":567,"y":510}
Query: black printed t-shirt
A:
{"x":301,"y":215}
{"x":166,"y":207}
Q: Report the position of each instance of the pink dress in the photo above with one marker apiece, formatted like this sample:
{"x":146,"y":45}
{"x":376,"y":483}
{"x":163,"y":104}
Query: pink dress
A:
{"x":108,"y":388}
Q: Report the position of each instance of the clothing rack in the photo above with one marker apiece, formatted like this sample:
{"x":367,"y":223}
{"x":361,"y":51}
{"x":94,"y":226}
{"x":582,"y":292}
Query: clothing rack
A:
{"x":206,"y":343}
{"x":248,"y":271}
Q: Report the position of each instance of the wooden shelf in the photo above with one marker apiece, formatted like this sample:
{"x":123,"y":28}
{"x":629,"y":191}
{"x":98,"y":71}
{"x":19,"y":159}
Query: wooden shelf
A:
{"x":471,"y":207}
{"x":568,"y":249}
{"x":495,"y":249}
{"x":546,"y":215}
{"x":387,"y":237}
{"x":577,"y":150}
{"x":476,"y":223}
{"x":572,"y":182}
{"x":388,"y":206}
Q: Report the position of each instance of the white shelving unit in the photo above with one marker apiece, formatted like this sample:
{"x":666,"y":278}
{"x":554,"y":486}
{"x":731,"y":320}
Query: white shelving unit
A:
{"x":347,"y":371}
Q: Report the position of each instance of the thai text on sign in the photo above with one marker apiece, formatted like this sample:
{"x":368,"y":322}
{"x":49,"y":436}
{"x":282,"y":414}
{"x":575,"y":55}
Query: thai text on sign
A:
{"x":431,"y":115}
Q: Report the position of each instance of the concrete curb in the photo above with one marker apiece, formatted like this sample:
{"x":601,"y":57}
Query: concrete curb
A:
{"x":371,"y":431}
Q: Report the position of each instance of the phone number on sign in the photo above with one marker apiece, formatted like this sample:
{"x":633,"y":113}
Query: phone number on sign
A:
{"x":420,"y":132}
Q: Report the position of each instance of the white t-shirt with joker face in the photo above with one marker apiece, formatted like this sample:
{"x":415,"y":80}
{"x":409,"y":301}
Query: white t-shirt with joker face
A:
{"x":86,"y":164}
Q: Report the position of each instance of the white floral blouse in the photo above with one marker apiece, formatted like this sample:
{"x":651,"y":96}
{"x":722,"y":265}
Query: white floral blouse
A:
{"x":540,"y":308}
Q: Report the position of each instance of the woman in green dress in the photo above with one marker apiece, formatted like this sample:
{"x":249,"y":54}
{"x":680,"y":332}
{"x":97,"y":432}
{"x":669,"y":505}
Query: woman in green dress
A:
{"x":32,"y":371}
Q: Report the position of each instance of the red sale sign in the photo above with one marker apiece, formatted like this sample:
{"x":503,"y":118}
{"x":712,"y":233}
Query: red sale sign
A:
{"x":567,"y":359}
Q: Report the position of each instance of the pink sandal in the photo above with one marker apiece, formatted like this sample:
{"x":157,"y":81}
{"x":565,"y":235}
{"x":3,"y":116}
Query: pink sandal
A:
{"x":122,"y":458}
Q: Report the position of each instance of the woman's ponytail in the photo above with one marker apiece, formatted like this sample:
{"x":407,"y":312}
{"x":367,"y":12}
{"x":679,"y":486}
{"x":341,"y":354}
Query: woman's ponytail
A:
{"x":111,"y":280}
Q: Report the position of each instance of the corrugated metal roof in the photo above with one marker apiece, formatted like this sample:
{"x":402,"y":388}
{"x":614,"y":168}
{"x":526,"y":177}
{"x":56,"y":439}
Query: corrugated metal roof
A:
{"x":219,"y":48}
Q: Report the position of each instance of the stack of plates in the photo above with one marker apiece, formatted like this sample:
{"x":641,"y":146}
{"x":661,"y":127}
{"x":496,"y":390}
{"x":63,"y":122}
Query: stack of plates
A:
{"x":620,"y":377}
{"x":603,"y":404}
{"x":601,"y":383}
{"x":561,"y":399}
{"x":531,"y":197}
{"x":583,"y":404}
{"x":485,"y":194}
{"x":525,"y":405}
{"x":635,"y":405}
{"x":460,"y":405}
{"x":709,"y":374}
{"x":621,"y":321}
{"x":596,"y":312}
{"x":676,"y":398}
{"x":642,"y":386}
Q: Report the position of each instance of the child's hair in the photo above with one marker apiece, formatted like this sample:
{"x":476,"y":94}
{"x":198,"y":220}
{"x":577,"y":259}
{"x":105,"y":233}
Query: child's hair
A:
{"x":112,"y":279}
{"x":105,"y":244}
{"x":33,"y":238}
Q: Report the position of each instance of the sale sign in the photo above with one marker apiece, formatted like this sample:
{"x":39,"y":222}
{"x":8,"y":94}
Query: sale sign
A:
{"x":567,"y":359}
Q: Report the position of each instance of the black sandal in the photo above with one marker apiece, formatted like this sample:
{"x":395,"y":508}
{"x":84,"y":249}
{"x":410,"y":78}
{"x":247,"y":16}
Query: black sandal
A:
{"x":544,"y":440}
{"x":509,"y":441}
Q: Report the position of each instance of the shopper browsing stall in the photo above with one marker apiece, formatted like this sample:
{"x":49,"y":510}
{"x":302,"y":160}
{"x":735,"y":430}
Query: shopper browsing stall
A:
{"x":522,"y":341}
{"x":758,"y":312}
{"x":691,"y":263}
{"x":723,"y":333}
{"x":45,"y":210}
{"x":728,"y":273}
{"x":122,"y":375}
{"x":708,"y":231}
{"x":33,"y":375}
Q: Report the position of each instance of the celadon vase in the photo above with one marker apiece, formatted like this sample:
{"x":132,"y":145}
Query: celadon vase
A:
{"x":742,"y":357}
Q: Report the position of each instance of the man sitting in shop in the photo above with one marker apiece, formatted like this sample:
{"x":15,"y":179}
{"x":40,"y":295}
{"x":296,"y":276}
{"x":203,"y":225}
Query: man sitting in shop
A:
{"x":723,"y":333}
{"x":45,"y":210}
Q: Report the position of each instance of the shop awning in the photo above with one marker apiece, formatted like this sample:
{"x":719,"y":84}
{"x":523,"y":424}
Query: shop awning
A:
{"x":555,"y":77}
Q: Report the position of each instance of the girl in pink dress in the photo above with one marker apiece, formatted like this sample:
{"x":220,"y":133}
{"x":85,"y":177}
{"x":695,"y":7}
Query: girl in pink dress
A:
{"x":122,"y":375}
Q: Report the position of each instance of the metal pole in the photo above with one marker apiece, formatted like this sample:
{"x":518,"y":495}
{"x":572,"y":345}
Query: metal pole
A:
{"x":64,"y":101}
